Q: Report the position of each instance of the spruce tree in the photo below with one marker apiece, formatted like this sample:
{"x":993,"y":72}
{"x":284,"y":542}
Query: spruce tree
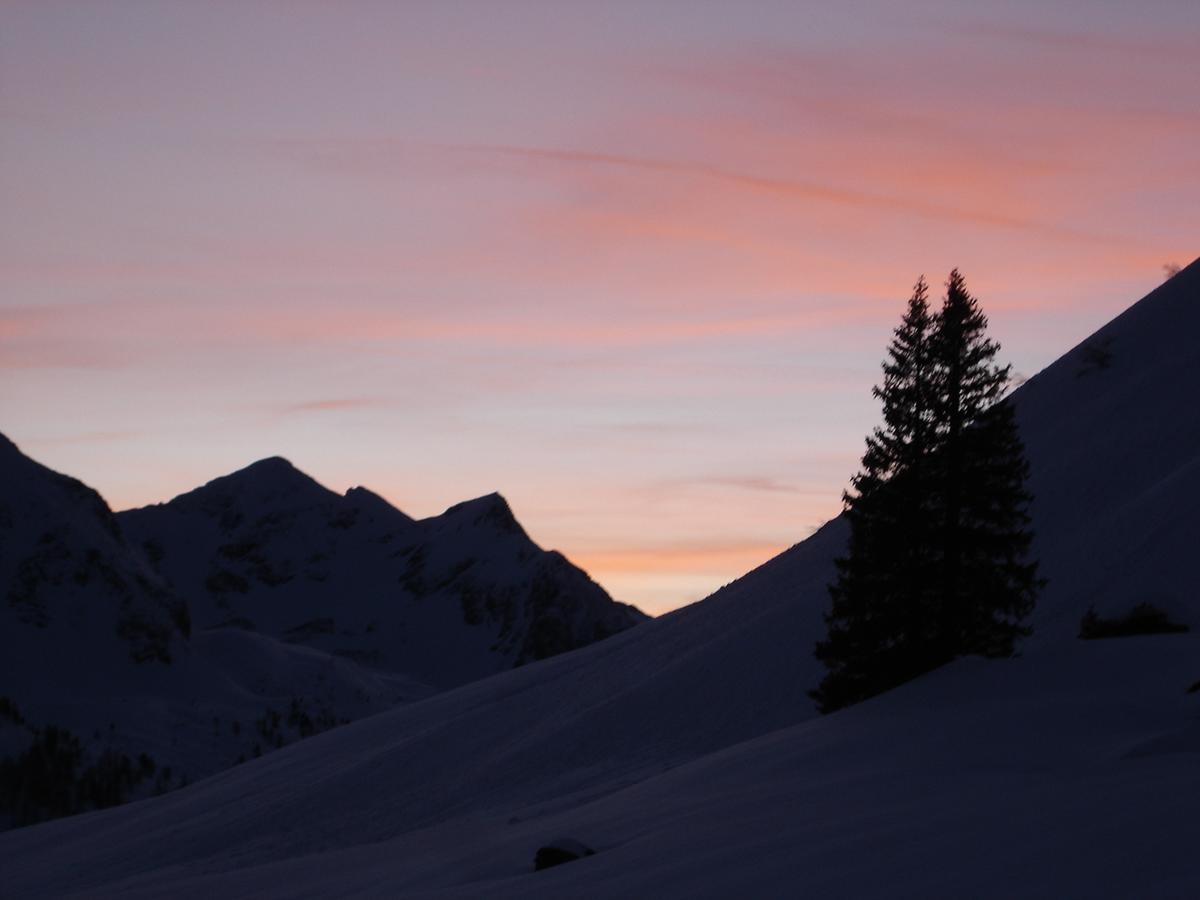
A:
{"x":936,"y":565}
{"x":988,"y":588}
{"x":882,"y":582}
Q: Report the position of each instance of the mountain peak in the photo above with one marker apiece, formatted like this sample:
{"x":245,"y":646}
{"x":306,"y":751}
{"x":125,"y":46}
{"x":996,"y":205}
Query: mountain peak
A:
{"x":361,"y":494}
{"x":490,"y":509}
{"x":270,"y":464}
{"x":266,"y":481}
{"x":488,"y":502}
{"x":271,"y":474}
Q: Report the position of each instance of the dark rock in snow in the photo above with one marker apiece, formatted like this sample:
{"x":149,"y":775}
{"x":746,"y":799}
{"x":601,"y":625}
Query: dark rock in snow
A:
{"x":558,"y":852}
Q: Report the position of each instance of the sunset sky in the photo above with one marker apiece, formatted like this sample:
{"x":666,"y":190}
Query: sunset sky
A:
{"x":632,"y":264}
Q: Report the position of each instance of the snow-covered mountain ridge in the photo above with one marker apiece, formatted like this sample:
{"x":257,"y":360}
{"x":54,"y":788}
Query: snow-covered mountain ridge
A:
{"x":143,"y":650}
{"x":687,"y":753}
{"x":446,"y":600}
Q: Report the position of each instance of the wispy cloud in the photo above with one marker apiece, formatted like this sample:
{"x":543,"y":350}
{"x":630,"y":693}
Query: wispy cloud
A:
{"x":659,"y":429}
{"x":390,"y":158}
{"x":747,"y":483}
{"x":787,"y":189}
{"x":68,"y":353}
{"x":331,"y":405}
{"x":1181,"y":46}
{"x":87,"y":437}
{"x":373,"y":326}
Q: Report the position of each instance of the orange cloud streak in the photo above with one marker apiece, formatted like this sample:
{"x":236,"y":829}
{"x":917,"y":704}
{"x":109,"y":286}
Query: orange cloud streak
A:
{"x":332,"y":405}
{"x":375,"y":326}
{"x":789,"y":189}
{"x":708,"y":559}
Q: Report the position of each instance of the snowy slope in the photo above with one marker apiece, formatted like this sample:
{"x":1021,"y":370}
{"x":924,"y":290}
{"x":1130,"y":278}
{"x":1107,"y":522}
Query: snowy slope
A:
{"x":545,"y":735}
{"x":1115,"y":456}
{"x":1070,"y":774}
{"x":445,"y":600}
{"x":686,"y":751}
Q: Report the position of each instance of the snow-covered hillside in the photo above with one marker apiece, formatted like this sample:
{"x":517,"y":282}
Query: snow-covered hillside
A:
{"x":686,"y":752}
{"x":1063,"y":775}
{"x":445,"y":600}
{"x":1113,"y":437}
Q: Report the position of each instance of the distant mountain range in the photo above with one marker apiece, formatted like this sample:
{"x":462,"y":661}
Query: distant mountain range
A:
{"x":158,"y":645}
{"x":445,"y":600}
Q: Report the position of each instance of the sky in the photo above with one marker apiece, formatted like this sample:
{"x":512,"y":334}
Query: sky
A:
{"x":634,"y":265}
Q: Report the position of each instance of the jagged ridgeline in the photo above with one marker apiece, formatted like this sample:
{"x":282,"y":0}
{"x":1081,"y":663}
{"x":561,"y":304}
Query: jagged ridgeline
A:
{"x":149,"y":648}
{"x":446,"y":599}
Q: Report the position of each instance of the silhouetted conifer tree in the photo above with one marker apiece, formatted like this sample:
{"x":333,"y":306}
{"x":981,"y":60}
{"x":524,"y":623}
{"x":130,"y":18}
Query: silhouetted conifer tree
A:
{"x":988,"y":588}
{"x":936,"y":566}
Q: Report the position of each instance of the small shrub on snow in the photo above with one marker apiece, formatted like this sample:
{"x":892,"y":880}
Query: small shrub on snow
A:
{"x":1142,"y":619}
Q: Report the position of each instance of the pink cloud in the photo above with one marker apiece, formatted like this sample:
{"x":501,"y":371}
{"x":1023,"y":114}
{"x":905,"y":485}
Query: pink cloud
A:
{"x":332,"y":405}
{"x":748,"y":483}
{"x":60,"y":354}
{"x":393,"y":158}
{"x":89,"y":437}
{"x":784,"y":189}
{"x":1176,"y":46}
{"x":373,"y":326}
